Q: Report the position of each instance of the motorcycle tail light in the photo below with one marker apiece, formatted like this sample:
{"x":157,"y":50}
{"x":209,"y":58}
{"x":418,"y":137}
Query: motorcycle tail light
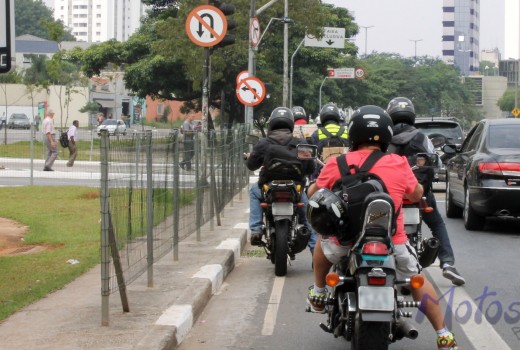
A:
{"x":376,"y":281}
{"x":282,"y":196}
{"x":417,"y":281}
{"x":332,"y":279}
{"x":264,"y":205}
{"x":375,"y":248}
{"x":300,"y":205}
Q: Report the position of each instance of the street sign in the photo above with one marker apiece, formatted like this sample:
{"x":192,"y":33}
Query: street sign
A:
{"x":254,"y":32}
{"x":516,"y":112}
{"x":250,"y":91}
{"x":341,"y":73}
{"x":206,"y":25}
{"x":332,"y":37}
{"x":242,"y":75}
{"x":6,"y":34}
{"x":360,"y":73}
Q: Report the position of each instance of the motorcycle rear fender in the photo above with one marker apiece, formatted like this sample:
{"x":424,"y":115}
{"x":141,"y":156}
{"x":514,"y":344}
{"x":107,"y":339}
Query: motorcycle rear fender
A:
{"x":376,"y":316}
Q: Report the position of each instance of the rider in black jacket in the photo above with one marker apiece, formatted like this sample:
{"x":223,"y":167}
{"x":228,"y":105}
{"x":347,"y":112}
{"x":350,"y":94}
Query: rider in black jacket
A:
{"x":408,"y":141}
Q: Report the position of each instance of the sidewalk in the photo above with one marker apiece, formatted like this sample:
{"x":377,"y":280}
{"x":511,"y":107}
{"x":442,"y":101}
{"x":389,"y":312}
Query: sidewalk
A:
{"x":160,"y":317}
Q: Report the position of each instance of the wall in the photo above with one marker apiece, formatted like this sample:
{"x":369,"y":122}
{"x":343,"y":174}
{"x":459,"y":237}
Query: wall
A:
{"x":492,"y":90}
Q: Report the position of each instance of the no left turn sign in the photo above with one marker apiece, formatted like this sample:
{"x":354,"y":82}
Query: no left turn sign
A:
{"x":206,"y":25}
{"x":250,"y":91}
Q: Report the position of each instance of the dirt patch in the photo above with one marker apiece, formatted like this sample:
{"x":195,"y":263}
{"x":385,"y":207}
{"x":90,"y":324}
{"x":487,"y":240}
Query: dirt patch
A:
{"x":11,"y":239}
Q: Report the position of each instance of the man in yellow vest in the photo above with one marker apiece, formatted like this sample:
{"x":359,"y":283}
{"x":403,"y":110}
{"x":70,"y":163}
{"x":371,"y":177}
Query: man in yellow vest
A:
{"x":331,"y":137}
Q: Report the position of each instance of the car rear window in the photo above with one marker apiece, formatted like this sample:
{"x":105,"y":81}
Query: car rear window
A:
{"x":504,"y":136}
{"x":452,"y":132}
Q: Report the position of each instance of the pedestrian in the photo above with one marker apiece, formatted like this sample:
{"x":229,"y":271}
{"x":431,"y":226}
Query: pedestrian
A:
{"x":72,"y":135}
{"x":188,"y":131}
{"x":37,"y":121}
{"x":49,"y":137}
{"x":3,"y":121}
{"x":100,"y":118}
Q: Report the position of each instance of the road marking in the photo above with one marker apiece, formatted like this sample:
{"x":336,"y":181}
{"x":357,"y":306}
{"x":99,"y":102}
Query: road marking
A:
{"x":272,"y":307}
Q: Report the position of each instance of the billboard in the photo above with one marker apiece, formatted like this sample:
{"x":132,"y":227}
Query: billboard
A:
{"x":6,"y":34}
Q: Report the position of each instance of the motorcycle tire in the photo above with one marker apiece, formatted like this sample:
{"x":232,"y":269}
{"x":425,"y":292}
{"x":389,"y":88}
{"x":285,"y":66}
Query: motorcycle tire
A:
{"x":281,"y":247}
{"x":371,"y":335}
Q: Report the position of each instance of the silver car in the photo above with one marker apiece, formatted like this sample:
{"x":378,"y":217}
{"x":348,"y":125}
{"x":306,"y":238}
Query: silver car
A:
{"x":114,"y":127}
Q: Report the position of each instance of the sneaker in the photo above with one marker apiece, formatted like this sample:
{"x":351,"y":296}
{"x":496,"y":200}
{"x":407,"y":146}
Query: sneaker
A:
{"x":47,"y":169}
{"x":316,"y":301}
{"x":256,"y":238}
{"x":446,"y":342}
{"x":453,"y":275}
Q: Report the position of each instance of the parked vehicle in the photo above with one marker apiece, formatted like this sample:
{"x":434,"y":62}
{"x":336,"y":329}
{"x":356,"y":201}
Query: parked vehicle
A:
{"x":441,"y":131}
{"x":114,"y":127}
{"x":364,"y":306}
{"x":18,"y":121}
{"x":483,"y":175}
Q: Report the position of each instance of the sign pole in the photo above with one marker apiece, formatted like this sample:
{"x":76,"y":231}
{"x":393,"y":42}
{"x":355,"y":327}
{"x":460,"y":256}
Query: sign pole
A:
{"x":323,"y":82}
{"x":292,"y":71}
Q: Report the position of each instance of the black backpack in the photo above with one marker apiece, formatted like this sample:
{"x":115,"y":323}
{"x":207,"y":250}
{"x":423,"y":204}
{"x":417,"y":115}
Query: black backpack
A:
{"x":64,"y":139}
{"x":281,"y":163}
{"x":334,"y":140}
{"x":354,"y":188}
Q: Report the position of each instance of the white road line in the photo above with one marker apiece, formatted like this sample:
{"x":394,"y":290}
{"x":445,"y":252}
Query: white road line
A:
{"x":272,"y":307}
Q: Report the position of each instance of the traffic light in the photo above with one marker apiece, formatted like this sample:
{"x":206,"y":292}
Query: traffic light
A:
{"x":227,"y":10}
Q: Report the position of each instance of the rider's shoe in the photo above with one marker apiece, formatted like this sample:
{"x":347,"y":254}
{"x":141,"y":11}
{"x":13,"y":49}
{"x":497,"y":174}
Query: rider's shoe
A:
{"x":316,"y":301}
{"x":256,"y":238}
{"x":453,"y":275}
{"x":447,"y":342}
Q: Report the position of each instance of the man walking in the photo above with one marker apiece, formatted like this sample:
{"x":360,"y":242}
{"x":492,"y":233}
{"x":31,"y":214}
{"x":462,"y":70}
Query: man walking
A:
{"x":49,"y":138}
{"x":72,"y":135}
{"x":189,"y":142}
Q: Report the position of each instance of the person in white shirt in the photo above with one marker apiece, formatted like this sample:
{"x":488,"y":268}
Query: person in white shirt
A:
{"x":50,"y":142}
{"x":72,"y":135}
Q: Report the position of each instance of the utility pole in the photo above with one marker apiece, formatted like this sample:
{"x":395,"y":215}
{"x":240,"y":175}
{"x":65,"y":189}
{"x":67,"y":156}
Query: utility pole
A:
{"x":415,"y":50}
{"x":292,"y":71}
{"x":286,"y":55}
{"x":366,"y":36}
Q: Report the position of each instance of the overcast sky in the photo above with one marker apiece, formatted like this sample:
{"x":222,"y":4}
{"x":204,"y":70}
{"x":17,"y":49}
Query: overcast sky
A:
{"x":397,"y":22}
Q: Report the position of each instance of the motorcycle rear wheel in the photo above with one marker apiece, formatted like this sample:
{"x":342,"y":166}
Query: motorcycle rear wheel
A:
{"x":281,"y":247}
{"x":371,"y":335}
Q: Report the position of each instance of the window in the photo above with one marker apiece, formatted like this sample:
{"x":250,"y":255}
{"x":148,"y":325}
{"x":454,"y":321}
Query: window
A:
{"x":448,"y":23}
{"x":160,"y":109}
{"x":27,"y":59}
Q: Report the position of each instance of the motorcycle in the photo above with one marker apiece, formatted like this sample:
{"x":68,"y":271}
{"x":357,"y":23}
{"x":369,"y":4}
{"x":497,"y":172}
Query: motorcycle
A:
{"x":427,"y":248}
{"x":363,"y":305}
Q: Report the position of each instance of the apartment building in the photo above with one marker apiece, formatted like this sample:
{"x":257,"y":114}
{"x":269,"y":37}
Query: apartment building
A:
{"x":100,"y":20}
{"x":461,"y":34}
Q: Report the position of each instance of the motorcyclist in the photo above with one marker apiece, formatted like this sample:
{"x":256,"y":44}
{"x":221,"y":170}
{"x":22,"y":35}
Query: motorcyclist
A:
{"x":409,"y":141}
{"x":300,"y":117}
{"x":280,"y":133}
{"x":330,"y":133}
{"x":370,"y":129}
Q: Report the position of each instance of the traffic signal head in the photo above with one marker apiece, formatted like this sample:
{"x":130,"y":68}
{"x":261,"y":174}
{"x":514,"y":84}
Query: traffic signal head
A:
{"x":227,"y":10}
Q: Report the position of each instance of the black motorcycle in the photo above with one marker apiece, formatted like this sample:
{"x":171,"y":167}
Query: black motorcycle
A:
{"x":363,"y":305}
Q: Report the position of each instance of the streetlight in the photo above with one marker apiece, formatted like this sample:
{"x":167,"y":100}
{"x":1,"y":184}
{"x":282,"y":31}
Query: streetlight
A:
{"x":291,"y":74}
{"x":366,"y":36}
{"x":415,"y":44}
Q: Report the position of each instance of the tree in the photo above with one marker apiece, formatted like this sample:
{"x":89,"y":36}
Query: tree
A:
{"x":506,"y":103}
{"x":31,"y":17}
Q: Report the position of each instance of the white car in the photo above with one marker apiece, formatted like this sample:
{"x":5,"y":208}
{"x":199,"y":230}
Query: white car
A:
{"x":114,"y":127}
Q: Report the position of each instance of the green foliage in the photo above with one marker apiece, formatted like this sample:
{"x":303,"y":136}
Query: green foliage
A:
{"x":507,"y":101}
{"x":37,"y":73}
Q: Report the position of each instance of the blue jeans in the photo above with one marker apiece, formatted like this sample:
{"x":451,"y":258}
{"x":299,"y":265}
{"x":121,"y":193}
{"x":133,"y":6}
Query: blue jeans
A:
{"x":256,"y":214}
{"x":436,"y":224}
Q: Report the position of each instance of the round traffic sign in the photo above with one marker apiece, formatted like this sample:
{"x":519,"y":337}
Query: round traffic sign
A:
{"x":241,"y":76}
{"x":359,"y":73}
{"x":206,"y":25}
{"x":250,"y":91}
{"x":254,"y":32}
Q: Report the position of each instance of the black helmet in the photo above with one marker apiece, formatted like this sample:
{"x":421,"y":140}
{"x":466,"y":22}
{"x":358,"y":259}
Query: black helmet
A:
{"x":299,"y":113}
{"x":370,"y":124}
{"x":281,"y":118}
{"x":329,"y":113}
{"x":401,"y":110}
{"x":327,"y":213}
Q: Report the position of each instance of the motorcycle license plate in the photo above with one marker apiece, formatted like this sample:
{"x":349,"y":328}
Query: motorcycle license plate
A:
{"x":285,"y":208}
{"x":411,"y":216}
{"x":376,"y":298}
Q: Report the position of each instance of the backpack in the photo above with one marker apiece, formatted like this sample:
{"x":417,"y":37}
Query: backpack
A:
{"x":64,"y":139}
{"x":354,"y":188}
{"x":281,"y":163}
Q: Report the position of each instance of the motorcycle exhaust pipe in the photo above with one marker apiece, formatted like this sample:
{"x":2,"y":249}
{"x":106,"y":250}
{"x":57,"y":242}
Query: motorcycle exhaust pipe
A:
{"x":301,"y":238}
{"x":405,"y":329}
{"x":430,"y":249}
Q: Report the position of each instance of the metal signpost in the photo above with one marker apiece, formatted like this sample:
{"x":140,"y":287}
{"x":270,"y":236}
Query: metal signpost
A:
{"x":6,"y":34}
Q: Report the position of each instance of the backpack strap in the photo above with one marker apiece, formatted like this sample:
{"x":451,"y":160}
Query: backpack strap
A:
{"x":371,"y":160}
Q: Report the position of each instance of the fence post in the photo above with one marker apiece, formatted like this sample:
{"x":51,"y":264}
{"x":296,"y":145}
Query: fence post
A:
{"x":105,"y":221}
{"x":176,"y":193}
{"x":149,"y":207}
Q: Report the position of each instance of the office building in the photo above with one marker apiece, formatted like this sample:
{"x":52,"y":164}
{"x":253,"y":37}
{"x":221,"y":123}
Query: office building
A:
{"x":512,"y":29}
{"x":100,"y":20}
{"x":460,"y":37}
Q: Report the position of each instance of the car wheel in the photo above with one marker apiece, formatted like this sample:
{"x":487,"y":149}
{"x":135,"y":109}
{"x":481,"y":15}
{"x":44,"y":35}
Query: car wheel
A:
{"x":472,"y":221}
{"x":452,"y":211}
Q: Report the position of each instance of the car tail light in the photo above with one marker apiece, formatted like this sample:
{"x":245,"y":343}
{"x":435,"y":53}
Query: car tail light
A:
{"x":282,"y":196}
{"x":375,"y":248}
{"x":502,"y":168}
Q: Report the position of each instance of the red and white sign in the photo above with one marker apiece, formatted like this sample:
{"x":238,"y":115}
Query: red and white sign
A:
{"x":206,"y":25}
{"x":241,"y":76}
{"x":341,"y":73}
{"x":250,"y":91}
{"x":360,"y":73}
{"x":254,"y":32}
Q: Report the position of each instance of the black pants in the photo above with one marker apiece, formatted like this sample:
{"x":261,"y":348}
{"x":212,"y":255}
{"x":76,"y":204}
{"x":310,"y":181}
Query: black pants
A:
{"x":189,"y":152}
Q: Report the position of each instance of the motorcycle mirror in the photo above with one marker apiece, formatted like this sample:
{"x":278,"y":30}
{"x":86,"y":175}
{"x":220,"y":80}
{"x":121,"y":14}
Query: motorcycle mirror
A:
{"x":307,"y":152}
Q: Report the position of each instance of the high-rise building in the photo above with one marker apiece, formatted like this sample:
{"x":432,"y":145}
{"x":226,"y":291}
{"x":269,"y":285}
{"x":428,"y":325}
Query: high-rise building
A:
{"x":100,"y":20}
{"x":512,"y":29}
{"x":461,"y":34}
